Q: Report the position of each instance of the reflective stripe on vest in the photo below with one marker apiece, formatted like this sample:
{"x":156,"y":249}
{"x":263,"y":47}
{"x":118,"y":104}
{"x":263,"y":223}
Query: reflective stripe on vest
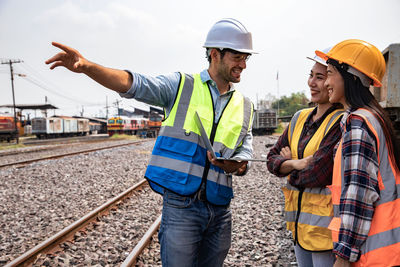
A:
{"x":309,"y":225}
{"x":382,"y":246}
{"x":178,"y":161}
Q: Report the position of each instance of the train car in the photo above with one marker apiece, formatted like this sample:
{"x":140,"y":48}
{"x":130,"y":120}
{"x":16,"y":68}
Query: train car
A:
{"x":7,"y":128}
{"x":121,"y":125}
{"x":126,"y":125}
{"x":70,"y":126}
{"x":133,"y":126}
{"x":95,"y":127}
{"x":154,"y":125}
{"x":265,"y":122}
{"x":59,"y":127}
{"x":136,"y":124}
{"x":388,"y":95}
{"x":143,"y":128}
{"x":47,"y":127}
{"x":155,"y":121}
{"x":83,"y":126}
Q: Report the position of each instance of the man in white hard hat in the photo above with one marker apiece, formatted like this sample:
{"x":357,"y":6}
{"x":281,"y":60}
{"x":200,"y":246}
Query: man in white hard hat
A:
{"x":196,"y":188}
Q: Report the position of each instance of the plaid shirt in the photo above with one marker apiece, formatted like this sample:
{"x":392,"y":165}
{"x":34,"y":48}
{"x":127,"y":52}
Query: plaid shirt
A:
{"x":319,"y":172}
{"x":360,"y":188}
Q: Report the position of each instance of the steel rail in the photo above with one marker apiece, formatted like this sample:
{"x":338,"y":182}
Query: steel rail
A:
{"x":68,"y":232}
{"x":137,"y":250}
{"x":67,"y":140}
{"x":24,"y":162}
{"x":37,"y":147}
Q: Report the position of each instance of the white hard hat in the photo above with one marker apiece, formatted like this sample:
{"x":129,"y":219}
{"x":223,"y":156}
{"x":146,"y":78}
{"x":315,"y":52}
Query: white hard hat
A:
{"x":320,"y":60}
{"x":230,"y":33}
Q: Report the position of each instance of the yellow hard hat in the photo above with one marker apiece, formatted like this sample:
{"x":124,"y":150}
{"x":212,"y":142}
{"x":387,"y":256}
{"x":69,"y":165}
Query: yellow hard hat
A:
{"x":360,"y":55}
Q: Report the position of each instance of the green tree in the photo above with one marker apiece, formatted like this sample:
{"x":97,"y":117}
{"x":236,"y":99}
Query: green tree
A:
{"x":289,"y":105}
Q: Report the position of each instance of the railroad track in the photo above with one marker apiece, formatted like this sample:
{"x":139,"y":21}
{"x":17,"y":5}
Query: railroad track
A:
{"x":52,"y":244}
{"x":88,"y":138}
{"x":22,"y":163}
{"x":39,"y":146}
{"x":143,"y":243}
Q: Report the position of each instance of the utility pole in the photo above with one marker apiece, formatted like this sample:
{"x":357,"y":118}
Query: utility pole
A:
{"x":277,"y":86}
{"x":82,"y":110}
{"x":257,"y":100}
{"x":107,"y":108}
{"x":10,"y":62}
{"x":45,"y":102}
{"x":117,"y":105}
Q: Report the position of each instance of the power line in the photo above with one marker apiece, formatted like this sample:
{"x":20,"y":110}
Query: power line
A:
{"x":44,"y":87}
{"x":37,"y":79}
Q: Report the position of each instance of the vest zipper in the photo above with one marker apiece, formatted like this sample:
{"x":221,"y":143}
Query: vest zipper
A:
{"x":212,"y":136}
{"x":298,"y":215}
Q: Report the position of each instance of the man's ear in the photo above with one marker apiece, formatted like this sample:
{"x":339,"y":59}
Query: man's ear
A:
{"x":214,"y":54}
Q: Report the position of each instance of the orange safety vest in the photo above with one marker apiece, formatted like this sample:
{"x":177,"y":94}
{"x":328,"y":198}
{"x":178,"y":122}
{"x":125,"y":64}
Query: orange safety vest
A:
{"x":382,"y":246}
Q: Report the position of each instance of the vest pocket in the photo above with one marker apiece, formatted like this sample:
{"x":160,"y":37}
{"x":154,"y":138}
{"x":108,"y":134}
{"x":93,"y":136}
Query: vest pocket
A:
{"x":319,"y":204}
{"x":179,"y":147}
{"x":172,"y":161}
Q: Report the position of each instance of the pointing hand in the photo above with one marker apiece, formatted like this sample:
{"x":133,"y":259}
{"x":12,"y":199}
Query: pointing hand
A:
{"x":69,"y":58}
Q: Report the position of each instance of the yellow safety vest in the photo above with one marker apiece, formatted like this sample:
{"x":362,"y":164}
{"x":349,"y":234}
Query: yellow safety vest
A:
{"x":178,"y":162}
{"x":309,"y":224}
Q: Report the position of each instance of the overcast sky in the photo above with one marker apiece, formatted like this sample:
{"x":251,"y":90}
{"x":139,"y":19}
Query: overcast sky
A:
{"x":160,"y":37}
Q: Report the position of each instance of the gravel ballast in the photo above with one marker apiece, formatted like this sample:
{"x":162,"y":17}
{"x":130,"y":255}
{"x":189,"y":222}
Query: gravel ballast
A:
{"x":42,"y":198}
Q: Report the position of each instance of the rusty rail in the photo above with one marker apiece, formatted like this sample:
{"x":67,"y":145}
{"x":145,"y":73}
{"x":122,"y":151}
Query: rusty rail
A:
{"x":137,"y":250}
{"x":24,"y":162}
{"x":68,"y":232}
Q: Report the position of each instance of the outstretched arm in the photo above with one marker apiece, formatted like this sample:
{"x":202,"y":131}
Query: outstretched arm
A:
{"x":117,"y":80}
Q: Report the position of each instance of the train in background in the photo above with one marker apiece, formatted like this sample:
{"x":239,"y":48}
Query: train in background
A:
{"x":142,"y":127}
{"x":7,"y":128}
{"x":60,"y":126}
{"x":265,"y":121}
{"x":388,"y":95}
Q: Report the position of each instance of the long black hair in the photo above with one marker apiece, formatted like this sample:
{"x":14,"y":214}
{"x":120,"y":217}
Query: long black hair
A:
{"x":359,"y":96}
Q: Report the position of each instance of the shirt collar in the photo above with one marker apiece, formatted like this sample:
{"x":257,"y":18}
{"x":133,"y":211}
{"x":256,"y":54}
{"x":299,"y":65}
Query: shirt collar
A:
{"x":205,"y":77}
{"x":344,"y":119}
{"x":322,"y":118}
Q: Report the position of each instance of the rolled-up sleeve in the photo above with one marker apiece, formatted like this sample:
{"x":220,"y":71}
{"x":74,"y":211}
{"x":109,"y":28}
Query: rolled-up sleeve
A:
{"x":159,"y":91}
{"x":245,"y":151}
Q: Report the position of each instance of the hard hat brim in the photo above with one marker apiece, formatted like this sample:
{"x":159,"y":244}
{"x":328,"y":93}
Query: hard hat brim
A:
{"x":318,"y":61}
{"x":246,"y":51}
{"x":321,"y":55}
{"x":324,"y":56}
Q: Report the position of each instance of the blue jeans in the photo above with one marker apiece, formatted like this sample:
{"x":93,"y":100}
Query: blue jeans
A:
{"x":193,"y":232}
{"x":307,"y":258}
